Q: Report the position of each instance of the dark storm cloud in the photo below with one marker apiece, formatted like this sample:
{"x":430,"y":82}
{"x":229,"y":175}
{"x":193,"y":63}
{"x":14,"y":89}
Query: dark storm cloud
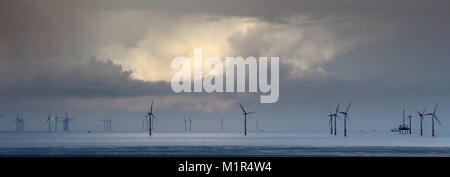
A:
{"x":92,"y":78}
{"x":46,"y":50}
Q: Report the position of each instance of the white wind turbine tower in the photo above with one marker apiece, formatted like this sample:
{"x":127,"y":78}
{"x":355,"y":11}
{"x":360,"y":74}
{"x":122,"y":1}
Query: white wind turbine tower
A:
{"x":104,"y":124}
{"x":421,"y":115}
{"x":19,"y":122}
{"x":49,"y":121}
{"x":56,"y":123}
{"x":345,"y":118}
{"x":190,"y":124}
{"x":66,"y":122}
{"x":433,"y":117}
{"x":150,"y":115}
{"x":185,"y":124}
{"x":335,"y":116}
{"x":109,"y":124}
{"x":245,"y":113}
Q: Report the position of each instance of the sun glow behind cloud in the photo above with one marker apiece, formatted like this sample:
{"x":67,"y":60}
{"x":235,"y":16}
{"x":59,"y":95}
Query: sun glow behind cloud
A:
{"x":302,"y":45}
{"x":150,"y":58}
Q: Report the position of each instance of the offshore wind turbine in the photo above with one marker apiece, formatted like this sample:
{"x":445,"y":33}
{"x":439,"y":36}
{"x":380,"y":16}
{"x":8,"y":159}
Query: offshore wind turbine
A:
{"x":190,"y":124}
{"x":150,"y":115}
{"x":66,"y":121}
{"x":330,"y":122}
{"x":56,"y":123}
{"x":104,"y":124}
{"x":345,"y":117}
{"x":335,"y":115}
{"x":22,"y":123}
{"x":245,"y":113}
{"x":421,"y":115}
{"x":433,"y":117}
{"x":49,"y":120}
{"x":185,"y":124}
{"x":19,"y":122}
{"x":108,"y":124}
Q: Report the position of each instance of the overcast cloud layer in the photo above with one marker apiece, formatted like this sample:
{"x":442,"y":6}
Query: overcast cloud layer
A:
{"x":100,"y":59}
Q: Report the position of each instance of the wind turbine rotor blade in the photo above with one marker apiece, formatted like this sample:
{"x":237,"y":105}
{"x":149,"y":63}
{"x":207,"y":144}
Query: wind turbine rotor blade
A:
{"x":151,"y":107}
{"x":242,"y":108}
{"x":330,"y":115}
{"x":348,"y":107}
{"x":435,"y":107}
{"x":437,"y":119}
{"x":250,"y":113}
{"x":337,"y":108}
{"x":424,"y":110}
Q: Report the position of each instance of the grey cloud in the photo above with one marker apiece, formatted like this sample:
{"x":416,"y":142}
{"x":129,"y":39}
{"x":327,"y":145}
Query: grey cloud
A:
{"x":91,"y":78}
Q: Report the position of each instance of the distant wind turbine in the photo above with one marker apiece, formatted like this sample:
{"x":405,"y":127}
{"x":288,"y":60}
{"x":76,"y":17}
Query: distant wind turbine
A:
{"x":330,"y":122}
{"x":105,"y":124}
{"x":49,"y":120}
{"x":109,"y":124}
{"x":345,"y":118}
{"x":190,"y":124}
{"x":66,"y":121}
{"x":56,"y":123}
{"x":150,"y":115}
{"x":19,"y":122}
{"x":185,"y":122}
{"x":245,"y":118}
{"x":333,"y":115}
{"x":433,"y":117}
{"x":421,"y":115}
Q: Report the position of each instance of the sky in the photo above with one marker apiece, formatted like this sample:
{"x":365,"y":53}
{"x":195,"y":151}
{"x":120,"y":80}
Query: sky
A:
{"x":103,"y":59}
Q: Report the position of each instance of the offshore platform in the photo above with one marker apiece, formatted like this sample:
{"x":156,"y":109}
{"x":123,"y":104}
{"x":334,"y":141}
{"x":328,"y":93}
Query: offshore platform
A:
{"x":404,"y":128}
